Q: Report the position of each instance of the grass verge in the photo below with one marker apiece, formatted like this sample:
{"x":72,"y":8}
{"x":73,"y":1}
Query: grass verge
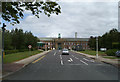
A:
{"x":18,"y":56}
{"x":91,"y":52}
{"x":111,"y":57}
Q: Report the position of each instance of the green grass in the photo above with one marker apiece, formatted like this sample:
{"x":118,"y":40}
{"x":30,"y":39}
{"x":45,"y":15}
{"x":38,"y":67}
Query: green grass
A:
{"x":111,"y":57}
{"x":18,"y":56}
{"x":91,"y":52}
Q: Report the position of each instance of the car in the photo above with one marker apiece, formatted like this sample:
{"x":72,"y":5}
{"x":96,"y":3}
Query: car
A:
{"x":65,"y":52}
{"x":118,"y":53}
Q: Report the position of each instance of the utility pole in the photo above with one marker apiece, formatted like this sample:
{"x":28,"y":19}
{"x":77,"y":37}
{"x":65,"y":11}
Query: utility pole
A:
{"x":3,"y":30}
{"x":96,"y":47}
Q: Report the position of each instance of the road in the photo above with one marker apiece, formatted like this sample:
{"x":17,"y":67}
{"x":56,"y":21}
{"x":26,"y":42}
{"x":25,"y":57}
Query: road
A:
{"x":54,"y":66}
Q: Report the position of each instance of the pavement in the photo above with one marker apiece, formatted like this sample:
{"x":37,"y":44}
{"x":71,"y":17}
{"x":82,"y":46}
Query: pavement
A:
{"x":115,"y":62}
{"x":11,"y":68}
{"x":75,"y":66}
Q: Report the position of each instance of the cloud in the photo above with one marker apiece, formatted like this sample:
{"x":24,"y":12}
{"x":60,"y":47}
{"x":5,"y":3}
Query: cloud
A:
{"x":86,"y":18}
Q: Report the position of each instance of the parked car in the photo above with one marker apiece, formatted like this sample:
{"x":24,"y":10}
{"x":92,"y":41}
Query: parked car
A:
{"x":118,"y":53}
{"x":65,"y":52}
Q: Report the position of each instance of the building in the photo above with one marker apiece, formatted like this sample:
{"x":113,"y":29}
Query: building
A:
{"x":60,"y":43}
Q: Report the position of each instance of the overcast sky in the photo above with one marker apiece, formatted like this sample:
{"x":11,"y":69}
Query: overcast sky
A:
{"x":85,"y":18}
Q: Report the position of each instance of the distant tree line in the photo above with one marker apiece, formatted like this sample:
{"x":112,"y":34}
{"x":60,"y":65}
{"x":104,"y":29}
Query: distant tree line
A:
{"x":109,"y":40}
{"x":16,"y":39}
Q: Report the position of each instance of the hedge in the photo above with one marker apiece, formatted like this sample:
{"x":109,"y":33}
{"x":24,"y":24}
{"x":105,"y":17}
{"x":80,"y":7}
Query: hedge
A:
{"x":11,"y":51}
{"x":111,"y":52}
{"x":14,"y":51}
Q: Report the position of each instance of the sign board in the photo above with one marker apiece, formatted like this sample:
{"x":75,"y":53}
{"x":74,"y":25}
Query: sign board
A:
{"x":29,"y":46}
{"x":103,"y":49}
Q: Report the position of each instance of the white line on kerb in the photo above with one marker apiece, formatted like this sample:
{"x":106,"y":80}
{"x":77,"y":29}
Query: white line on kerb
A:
{"x":61,"y":62}
{"x":84,"y":62}
{"x":54,"y":53}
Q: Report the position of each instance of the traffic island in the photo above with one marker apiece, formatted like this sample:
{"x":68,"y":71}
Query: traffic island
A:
{"x":115,"y":62}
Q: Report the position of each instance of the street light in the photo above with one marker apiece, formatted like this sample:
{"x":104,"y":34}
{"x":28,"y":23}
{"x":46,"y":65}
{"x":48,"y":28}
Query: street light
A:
{"x":96,"y":47}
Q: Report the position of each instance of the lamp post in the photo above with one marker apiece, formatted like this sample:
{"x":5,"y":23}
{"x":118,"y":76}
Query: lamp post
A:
{"x":96,"y":47}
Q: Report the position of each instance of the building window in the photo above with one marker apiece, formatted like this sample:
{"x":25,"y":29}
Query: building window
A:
{"x":69,"y":43}
{"x":48,"y":43}
{"x":72,"y":43}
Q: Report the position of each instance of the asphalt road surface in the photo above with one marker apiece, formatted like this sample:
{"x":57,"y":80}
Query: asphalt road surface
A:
{"x":55,"y":66}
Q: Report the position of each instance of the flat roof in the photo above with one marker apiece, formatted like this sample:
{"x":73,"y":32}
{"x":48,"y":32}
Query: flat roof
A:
{"x":66,"y":39}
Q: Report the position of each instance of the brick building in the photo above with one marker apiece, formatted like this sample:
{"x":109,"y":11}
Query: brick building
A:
{"x":60,"y":43}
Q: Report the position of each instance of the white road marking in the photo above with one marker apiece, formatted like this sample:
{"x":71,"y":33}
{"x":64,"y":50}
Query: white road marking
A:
{"x":61,"y":62}
{"x":85,"y":59}
{"x":73,"y":56}
{"x":88,"y":60}
{"x":76,"y":58}
{"x":71,"y":59}
{"x":54,"y":53}
{"x":92,"y":60}
{"x":84,"y":62}
{"x":60,"y":57}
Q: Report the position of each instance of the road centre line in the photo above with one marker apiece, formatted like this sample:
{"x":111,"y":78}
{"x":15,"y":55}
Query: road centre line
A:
{"x":60,"y":57}
{"x":84,"y":62}
{"x":61,"y":62}
{"x":54,"y":53}
{"x":38,"y":59}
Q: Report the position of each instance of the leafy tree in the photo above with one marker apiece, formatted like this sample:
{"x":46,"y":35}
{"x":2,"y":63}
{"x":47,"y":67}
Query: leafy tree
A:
{"x":19,"y":40}
{"x":109,"y":40}
{"x":14,"y":11}
{"x":8,"y":40}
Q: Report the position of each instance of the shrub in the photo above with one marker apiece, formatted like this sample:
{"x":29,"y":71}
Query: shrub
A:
{"x":11,"y":51}
{"x":111,"y":52}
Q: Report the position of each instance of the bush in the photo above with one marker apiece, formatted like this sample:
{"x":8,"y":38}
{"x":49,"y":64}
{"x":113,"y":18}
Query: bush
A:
{"x":11,"y":51}
{"x":111,"y":52}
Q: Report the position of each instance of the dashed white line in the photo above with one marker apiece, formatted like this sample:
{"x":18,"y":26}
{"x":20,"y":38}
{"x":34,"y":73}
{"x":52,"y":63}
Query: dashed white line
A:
{"x":54,"y":53}
{"x":84,"y":62}
{"x":60,"y":57}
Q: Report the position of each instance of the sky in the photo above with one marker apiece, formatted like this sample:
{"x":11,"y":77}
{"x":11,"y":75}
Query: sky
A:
{"x":85,"y":18}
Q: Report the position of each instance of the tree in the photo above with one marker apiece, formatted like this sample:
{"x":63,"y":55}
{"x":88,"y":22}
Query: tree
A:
{"x":14,"y":11}
{"x":109,"y":40}
{"x":8,"y":40}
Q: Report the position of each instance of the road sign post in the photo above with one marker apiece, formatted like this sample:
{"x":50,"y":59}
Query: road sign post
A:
{"x":29,"y":49}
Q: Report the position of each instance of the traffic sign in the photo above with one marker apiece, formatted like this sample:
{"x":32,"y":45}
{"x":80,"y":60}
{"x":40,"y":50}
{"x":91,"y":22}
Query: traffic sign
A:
{"x":29,"y":46}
